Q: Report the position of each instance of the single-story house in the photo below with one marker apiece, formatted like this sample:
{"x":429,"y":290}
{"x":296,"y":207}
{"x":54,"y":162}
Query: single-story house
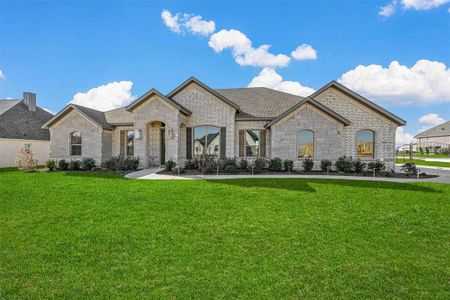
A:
{"x":435,"y":138}
{"x":195,"y":120}
{"x":21,"y":127}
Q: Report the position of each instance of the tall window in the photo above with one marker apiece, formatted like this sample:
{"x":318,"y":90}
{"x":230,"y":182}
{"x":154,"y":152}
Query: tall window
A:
{"x":364,"y":143}
{"x":75,"y":143}
{"x":206,"y":140}
{"x":252,"y":143}
{"x":130,"y":142}
{"x":305,"y":144}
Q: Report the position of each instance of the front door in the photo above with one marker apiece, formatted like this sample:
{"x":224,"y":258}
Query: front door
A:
{"x":162,"y":146}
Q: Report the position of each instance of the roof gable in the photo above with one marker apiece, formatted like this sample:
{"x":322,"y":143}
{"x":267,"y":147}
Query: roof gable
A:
{"x":204,"y":86}
{"x":95,"y":116}
{"x":439,"y":130}
{"x":361,"y":100}
{"x":7,"y":104}
{"x":314,"y":103}
{"x":152,"y":92}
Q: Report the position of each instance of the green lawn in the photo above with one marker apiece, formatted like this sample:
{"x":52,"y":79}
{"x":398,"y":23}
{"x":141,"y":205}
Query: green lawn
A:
{"x":419,"y":162}
{"x":75,"y":235}
{"x":432,"y":155}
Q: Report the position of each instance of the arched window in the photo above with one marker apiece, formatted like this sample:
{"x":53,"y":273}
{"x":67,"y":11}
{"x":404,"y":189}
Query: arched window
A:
{"x":75,"y":143}
{"x":365,"y":140}
{"x":206,"y":140}
{"x":305,"y":144}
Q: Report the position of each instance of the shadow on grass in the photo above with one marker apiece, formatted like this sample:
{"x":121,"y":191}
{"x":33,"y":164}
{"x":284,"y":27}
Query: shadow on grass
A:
{"x":300,"y":184}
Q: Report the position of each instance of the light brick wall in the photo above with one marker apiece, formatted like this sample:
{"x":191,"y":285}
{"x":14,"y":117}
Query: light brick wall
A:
{"x":361,"y":117}
{"x":115,"y":143}
{"x":91,"y":135}
{"x":244,"y":125}
{"x":443,"y":141}
{"x":207,"y":109}
{"x":10,"y":147}
{"x":155,"y":109}
{"x":327,"y":135}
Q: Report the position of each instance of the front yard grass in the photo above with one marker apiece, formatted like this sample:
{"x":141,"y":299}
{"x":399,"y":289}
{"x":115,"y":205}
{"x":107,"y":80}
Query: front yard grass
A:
{"x":84,"y":235}
{"x":420,"y":162}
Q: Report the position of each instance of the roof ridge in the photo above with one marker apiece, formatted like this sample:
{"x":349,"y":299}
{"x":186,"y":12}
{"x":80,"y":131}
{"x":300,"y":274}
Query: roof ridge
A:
{"x":420,"y":134}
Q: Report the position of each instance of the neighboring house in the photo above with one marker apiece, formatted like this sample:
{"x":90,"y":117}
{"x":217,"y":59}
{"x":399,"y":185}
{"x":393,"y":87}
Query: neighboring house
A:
{"x":20,"y":127}
{"x":195,"y":119}
{"x":435,"y":138}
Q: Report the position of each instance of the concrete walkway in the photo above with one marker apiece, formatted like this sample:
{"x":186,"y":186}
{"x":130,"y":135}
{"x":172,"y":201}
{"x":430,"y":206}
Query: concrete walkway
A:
{"x":150,"y":174}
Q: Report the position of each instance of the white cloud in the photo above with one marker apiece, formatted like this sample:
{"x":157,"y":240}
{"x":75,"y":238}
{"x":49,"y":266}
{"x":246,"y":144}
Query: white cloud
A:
{"x":2,"y":75}
{"x":243,"y":51}
{"x":180,"y":23}
{"x":430,"y":120}
{"x":426,"y":82}
{"x":197,"y":25}
{"x":387,"y":10}
{"x":402,"y":137}
{"x":106,"y":97}
{"x":171,"y":21}
{"x":271,"y":79}
{"x":423,"y":4}
{"x":391,"y":7}
{"x":304,"y":52}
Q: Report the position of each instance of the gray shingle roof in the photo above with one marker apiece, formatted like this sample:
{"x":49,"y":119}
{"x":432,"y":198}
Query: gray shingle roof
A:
{"x":7,"y":104}
{"x":18,"y":122}
{"x":440,"y":130}
{"x":119,"y":116}
{"x":95,"y":115}
{"x":260,"y":102}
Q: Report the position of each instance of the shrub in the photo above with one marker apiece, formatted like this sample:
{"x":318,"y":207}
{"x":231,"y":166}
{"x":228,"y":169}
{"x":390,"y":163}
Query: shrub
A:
{"x":276,"y":164}
{"x":358,"y":166}
{"x":209,"y":166}
{"x":191,"y":164}
{"x":288,"y":165}
{"x":87,"y":163}
{"x":344,"y":164}
{"x":427,"y":150}
{"x":26,"y":161}
{"x":113,"y":164}
{"x":243,"y":164}
{"x":130,"y":163}
{"x":74,"y":165}
{"x":51,"y":164}
{"x":376,"y":166}
{"x":308,"y":164}
{"x":409,"y":168}
{"x":225,"y":162}
{"x":231,"y":169}
{"x":63,"y":165}
{"x":325,"y":164}
{"x":178,"y":170}
{"x":257,"y":166}
{"x":169,"y":165}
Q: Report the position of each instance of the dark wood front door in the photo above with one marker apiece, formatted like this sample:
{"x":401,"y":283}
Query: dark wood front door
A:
{"x":163,"y":146}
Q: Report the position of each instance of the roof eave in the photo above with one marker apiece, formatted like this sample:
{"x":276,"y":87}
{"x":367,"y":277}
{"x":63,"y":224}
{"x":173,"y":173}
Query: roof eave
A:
{"x":153,"y":91}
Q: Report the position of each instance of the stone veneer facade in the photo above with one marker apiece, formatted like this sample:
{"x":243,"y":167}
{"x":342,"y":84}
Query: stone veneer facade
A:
{"x":332,"y":138}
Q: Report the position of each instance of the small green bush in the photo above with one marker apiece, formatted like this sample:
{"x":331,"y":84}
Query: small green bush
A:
{"x":209,"y":167}
{"x":51,"y":164}
{"x":130,"y":164}
{"x":191,"y":164}
{"x":231,"y":169}
{"x":344,"y":164}
{"x":308,"y":164}
{"x":325,"y":164}
{"x":178,"y":170}
{"x":243,"y":164}
{"x":376,"y":166}
{"x":63,"y":165}
{"x":169,"y":165}
{"x":87,"y":163}
{"x":409,"y":168}
{"x":288,"y":165}
{"x":74,"y":165}
{"x":120,"y":163}
{"x":358,"y":166}
{"x":225,"y":162}
{"x":257,"y":166}
{"x":276,"y":164}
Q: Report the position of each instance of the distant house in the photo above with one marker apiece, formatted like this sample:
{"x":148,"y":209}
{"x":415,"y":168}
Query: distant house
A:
{"x":435,"y":139}
{"x":20,"y":127}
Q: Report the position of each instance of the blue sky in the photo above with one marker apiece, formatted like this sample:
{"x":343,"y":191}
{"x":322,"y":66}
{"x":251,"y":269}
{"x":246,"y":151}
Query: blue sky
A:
{"x":123,"y":48}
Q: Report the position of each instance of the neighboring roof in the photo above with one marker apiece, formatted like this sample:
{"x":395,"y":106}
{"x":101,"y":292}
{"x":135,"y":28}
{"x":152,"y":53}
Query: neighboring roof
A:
{"x":215,"y":93}
{"x":93,"y":115}
{"x":260,"y":102}
{"x":314,"y":103}
{"x":119,"y":116}
{"x":7,"y":104}
{"x":440,"y":130}
{"x":362,"y":100}
{"x":144,"y":97}
{"x":18,"y":122}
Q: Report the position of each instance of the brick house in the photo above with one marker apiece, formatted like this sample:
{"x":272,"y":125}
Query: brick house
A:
{"x":195,"y":120}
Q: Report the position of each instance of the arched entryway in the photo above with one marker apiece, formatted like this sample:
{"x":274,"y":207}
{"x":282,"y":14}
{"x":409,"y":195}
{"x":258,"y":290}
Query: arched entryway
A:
{"x":156,"y":143}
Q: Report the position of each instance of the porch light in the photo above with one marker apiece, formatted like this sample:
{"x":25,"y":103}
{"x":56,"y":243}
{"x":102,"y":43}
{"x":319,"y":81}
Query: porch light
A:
{"x":137,"y":134}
